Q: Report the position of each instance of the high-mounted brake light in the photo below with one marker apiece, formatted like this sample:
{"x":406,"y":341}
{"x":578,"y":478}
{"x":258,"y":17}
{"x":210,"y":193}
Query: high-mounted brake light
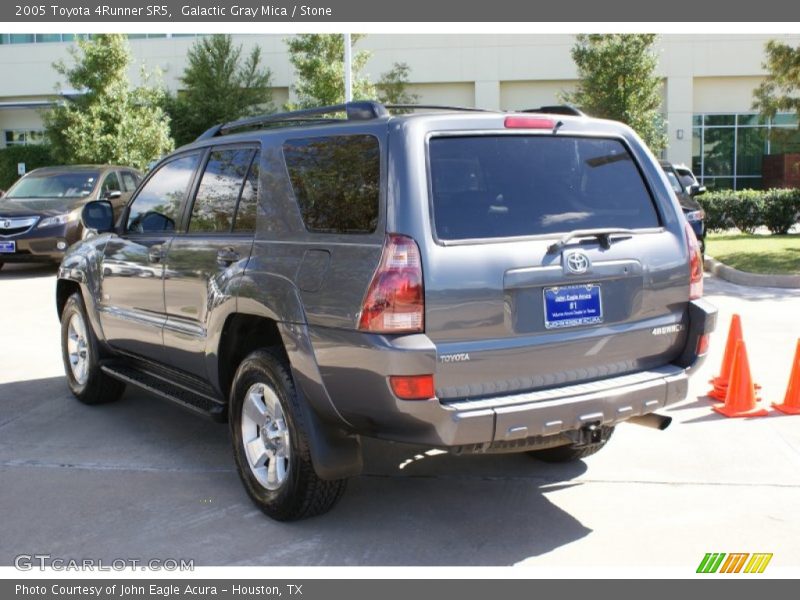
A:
{"x":395,"y":300}
{"x":695,"y":264}
{"x":529,"y":123}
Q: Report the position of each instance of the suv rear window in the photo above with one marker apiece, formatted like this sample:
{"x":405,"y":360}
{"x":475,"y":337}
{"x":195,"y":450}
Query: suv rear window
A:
{"x":507,"y":186}
{"x":336,"y":181}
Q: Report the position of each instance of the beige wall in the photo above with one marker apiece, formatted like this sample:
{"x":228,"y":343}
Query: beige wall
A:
{"x":702,"y":73}
{"x":518,"y":95}
{"x":724,"y":94}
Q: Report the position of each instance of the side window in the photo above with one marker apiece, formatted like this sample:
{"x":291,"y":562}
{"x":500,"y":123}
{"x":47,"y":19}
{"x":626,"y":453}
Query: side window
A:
{"x":248,"y":203}
{"x":336,"y":181}
{"x":129,"y":181}
{"x":157,"y":207}
{"x":111,"y":183}
{"x":215,"y":202}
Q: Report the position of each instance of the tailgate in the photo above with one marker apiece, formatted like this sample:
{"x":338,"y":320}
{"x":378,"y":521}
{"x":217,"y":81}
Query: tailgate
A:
{"x":509,"y":308}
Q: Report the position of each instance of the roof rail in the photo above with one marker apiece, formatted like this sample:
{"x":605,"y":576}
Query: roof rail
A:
{"x":355,"y":111}
{"x":557,"y":109}
{"x":432,"y":107}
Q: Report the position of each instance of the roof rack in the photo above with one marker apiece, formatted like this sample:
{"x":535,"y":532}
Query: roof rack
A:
{"x":433,"y":107}
{"x":557,"y":109}
{"x":355,"y":111}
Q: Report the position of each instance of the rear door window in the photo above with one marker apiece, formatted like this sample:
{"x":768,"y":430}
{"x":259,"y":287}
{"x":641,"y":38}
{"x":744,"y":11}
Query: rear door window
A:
{"x":219,"y":189}
{"x":336,"y":180}
{"x":510,"y":186}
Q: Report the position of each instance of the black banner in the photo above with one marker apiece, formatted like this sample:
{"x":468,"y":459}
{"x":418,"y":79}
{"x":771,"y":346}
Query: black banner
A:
{"x":337,"y":589}
{"x":316,"y":11}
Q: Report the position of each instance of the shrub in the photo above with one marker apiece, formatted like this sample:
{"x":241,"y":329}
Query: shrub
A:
{"x":715,"y":204}
{"x":746,"y":210}
{"x":33,"y":157}
{"x":781,"y":210}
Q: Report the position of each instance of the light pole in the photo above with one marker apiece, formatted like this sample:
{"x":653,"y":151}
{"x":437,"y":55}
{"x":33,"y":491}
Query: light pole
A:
{"x":348,"y":60}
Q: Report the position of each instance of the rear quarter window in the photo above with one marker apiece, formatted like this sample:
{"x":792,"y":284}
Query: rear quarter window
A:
{"x":510,"y":186}
{"x":336,"y":180}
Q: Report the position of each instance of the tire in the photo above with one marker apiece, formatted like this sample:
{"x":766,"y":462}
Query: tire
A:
{"x":80,"y":353}
{"x":570,"y":452}
{"x":270,"y":441}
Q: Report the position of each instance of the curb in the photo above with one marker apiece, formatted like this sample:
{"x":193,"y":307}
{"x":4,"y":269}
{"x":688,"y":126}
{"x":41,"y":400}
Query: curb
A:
{"x":727,"y":273}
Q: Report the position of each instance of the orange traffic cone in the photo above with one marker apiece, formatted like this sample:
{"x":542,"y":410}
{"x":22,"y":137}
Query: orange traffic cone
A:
{"x":720,"y":382}
{"x":791,"y":402}
{"x":740,"y":399}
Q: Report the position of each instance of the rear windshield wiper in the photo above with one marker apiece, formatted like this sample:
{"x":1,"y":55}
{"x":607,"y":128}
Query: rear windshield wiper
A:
{"x":603,"y":235}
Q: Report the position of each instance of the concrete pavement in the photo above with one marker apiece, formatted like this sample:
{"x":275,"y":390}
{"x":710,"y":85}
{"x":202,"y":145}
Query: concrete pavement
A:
{"x":142,"y":478}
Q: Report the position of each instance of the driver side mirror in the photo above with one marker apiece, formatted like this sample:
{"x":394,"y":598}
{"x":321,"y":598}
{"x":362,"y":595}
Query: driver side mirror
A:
{"x":98,"y":216}
{"x":112,"y":195}
{"x":697,"y":190}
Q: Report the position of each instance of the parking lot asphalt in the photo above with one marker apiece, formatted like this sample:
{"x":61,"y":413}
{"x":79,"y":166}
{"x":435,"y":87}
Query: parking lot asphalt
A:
{"x":145,"y":479}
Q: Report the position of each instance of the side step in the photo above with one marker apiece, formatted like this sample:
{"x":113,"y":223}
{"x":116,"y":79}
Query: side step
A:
{"x":184,"y":394}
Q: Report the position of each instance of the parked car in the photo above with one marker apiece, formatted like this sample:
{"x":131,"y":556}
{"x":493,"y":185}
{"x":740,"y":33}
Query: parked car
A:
{"x":478,"y":281}
{"x":40,"y":213}
{"x":685,"y":186}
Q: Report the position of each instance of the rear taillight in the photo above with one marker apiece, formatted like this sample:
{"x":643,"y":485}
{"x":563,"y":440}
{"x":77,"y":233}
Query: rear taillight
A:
{"x":702,"y":344}
{"x":395,"y":300}
{"x":412,"y":387}
{"x":529,"y":123}
{"x":695,"y":264}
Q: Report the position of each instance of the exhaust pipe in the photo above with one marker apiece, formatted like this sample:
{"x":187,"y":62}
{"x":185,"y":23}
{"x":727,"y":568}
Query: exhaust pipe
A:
{"x":652,"y":420}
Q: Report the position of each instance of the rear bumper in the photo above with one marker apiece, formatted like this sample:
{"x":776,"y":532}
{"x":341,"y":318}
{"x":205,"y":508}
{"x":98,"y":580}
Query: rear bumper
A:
{"x":519,"y":420}
{"x":524,"y":419}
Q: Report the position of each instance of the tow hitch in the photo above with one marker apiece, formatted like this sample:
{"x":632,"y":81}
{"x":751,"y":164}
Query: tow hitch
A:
{"x":592,"y":433}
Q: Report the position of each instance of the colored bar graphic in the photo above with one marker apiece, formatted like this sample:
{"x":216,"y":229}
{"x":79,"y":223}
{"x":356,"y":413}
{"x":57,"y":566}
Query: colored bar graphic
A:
{"x":734,"y":562}
{"x":713,"y":562}
{"x":710,"y":562}
{"x":758,"y":563}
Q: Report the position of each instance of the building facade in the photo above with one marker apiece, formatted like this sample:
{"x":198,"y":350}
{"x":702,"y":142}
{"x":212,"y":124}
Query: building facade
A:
{"x":707,"y":93}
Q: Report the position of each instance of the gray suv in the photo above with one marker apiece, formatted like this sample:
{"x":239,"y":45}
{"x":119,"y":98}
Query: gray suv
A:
{"x":478,"y":281}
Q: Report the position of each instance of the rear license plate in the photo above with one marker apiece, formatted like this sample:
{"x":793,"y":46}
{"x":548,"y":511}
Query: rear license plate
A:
{"x":8,"y":247}
{"x":572,"y":305}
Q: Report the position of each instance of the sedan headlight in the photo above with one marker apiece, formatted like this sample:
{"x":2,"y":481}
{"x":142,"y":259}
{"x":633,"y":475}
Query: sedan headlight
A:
{"x":58,"y":220}
{"x":695,"y":215}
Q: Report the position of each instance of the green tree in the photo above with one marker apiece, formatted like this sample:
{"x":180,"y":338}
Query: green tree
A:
{"x":318,"y":60}
{"x":219,"y":85}
{"x":618,"y":81}
{"x":108,"y":121}
{"x":393,"y":86}
{"x":780,"y":91}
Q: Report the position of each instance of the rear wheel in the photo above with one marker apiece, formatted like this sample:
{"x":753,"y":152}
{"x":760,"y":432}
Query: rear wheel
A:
{"x":81,"y":354}
{"x":271,"y":442}
{"x":571,"y":452}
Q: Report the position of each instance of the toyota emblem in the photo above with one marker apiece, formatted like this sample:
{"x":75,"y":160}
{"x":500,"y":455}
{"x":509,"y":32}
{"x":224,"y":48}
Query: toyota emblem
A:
{"x":577,"y":263}
{"x":6,"y":224}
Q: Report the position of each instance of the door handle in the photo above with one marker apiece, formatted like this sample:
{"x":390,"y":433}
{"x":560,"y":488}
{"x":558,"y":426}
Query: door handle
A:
{"x":155,"y":254}
{"x":227,"y":256}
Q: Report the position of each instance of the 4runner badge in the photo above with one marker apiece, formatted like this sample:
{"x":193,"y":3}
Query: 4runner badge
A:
{"x":447,"y":358}
{"x":667,"y":329}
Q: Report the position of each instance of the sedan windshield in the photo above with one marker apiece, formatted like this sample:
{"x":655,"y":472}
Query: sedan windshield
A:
{"x":54,"y":185}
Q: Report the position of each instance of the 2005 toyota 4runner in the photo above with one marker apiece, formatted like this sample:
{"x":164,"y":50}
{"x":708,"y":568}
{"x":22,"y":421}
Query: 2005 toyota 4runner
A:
{"x":471,"y":280}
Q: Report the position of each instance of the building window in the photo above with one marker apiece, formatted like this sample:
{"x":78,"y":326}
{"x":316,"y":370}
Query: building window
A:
{"x":23,"y":137}
{"x":43,"y":38}
{"x":727,"y":148}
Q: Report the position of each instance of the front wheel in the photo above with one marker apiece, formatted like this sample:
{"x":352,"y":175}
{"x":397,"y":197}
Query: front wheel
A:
{"x":571,"y":452}
{"x":81,"y":354}
{"x":270,"y":441}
